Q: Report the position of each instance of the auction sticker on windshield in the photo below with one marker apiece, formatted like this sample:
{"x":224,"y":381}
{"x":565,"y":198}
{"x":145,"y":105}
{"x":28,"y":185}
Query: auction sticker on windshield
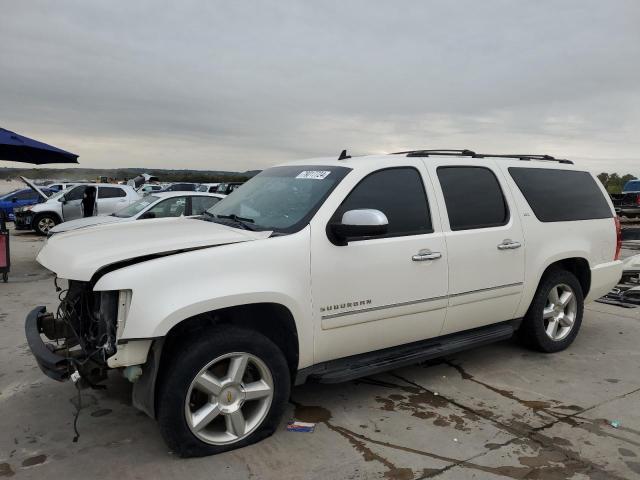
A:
{"x":314,"y":174}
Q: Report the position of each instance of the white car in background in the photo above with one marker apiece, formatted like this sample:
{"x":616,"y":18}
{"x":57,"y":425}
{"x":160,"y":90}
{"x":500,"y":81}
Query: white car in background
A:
{"x":208,"y":187}
{"x":158,"y":205}
{"x":67,"y":205}
{"x":58,"y":187}
{"x":149,"y":188}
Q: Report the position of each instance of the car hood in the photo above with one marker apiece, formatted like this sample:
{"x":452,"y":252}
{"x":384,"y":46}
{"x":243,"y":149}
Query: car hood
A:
{"x":34,"y":187}
{"x":86,"y":222}
{"x":79,"y":254}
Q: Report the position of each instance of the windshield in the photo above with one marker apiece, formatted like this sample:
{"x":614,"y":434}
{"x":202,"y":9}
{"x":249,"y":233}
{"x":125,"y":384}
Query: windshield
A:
{"x":136,"y":207}
{"x":282,"y":199}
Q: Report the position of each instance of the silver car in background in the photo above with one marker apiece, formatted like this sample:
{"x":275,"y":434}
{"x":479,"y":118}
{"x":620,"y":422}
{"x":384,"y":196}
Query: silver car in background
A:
{"x":157,"y":205}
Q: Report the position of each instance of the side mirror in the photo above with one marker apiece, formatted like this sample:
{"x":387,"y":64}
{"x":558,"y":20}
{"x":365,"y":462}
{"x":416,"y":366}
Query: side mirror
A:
{"x":359,"y":223}
{"x":147,"y":215}
{"x":14,"y":199}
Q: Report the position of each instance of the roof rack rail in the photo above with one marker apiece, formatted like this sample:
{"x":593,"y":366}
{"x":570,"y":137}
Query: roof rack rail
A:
{"x":472,"y":154}
{"x":548,"y":158}
{"x":438,"y":151}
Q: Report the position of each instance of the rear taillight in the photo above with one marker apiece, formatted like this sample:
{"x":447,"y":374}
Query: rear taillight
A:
{"x":618,"y":238}
{"x":638,"y":199}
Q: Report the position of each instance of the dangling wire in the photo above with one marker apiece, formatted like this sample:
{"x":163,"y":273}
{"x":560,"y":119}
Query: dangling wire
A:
{"x":77,"y":415}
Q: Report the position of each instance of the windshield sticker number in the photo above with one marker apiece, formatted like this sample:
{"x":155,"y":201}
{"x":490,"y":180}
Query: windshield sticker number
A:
{"x":314,"y":174}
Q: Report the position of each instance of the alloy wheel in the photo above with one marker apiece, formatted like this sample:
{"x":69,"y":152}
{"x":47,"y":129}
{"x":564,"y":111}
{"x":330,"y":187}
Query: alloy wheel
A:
{"x":560,"y":312}
{"x":45,"y":224}
{"x":229,"y":398}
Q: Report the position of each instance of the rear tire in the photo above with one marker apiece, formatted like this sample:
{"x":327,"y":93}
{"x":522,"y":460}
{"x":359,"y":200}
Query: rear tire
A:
{"x":44,"y":222}
{"x":227,"y":390}
{"x":554,"y":317}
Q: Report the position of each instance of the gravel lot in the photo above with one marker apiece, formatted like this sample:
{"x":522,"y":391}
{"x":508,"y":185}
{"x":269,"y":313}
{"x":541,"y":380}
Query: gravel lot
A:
{"x":494,"y":412}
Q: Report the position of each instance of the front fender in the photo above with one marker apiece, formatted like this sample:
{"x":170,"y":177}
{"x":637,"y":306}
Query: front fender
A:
{"x":168,"y":290}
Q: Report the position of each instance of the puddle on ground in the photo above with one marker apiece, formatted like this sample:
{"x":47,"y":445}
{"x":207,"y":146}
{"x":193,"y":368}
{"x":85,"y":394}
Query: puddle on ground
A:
{"x":534,"y":405}
{"x":548,"y":462}
{"x":312,"y":414}
{"x":625,"y":452}
{"x":35,"y":460}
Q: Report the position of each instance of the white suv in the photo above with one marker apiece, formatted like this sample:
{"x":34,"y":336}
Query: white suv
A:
{"x":66,"y":205}
{"x":333,"y":269}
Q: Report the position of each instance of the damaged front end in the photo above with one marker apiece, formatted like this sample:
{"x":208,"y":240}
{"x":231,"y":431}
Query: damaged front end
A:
{"x":82,"y":333}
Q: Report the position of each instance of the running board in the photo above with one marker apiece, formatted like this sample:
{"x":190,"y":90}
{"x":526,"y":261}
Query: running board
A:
{"x":356,"y":366}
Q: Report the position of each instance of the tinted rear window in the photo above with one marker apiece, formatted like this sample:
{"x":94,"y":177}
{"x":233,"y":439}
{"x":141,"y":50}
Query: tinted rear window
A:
{"x":561,"y":195}
{"x":473,"y":197}
{"x":111,"y":192}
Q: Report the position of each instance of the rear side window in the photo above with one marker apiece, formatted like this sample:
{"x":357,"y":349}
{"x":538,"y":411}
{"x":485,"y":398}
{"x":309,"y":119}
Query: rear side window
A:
{"x":561,"y":195}
{"x":473,"y":197}
{"x":399,"y":194}
{"x":111,"y":192}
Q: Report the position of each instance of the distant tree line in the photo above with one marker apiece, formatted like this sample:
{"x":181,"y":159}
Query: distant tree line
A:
{"x":88,"y":174}
{"x":614,"y":182}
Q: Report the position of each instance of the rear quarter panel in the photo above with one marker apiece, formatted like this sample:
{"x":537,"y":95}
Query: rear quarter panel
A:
{"x":550,"y":242}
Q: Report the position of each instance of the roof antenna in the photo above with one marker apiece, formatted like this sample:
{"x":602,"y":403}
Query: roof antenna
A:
{"x":343,"y":155}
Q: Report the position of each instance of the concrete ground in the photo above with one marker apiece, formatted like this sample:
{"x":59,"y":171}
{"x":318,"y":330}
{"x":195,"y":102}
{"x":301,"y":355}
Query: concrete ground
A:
{"x":494,"y":412}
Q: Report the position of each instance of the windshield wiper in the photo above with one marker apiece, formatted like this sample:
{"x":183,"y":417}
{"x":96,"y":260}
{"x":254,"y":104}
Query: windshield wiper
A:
{"x":242,"y":221}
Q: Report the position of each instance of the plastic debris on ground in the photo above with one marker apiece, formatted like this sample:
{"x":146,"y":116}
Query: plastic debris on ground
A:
{"x":614,"y":423}
{"x":304,"y":427}
{"x":627,"y":293}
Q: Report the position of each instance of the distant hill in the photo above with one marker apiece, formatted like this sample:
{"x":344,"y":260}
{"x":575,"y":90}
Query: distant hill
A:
{"x":91,"y":174}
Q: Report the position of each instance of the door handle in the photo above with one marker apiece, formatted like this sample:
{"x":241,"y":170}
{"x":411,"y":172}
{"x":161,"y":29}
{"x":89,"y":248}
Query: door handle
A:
{"x":426,"y":255}
{"x":509,"y":244}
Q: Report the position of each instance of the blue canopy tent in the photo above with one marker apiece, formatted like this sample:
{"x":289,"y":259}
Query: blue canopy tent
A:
{"x":17,"y":148}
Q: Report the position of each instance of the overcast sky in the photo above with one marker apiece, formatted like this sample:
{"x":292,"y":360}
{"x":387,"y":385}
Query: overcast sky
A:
{"x":240,"y":85}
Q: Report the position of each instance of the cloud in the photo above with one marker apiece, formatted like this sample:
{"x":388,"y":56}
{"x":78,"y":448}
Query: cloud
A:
{"x":235,"y":85}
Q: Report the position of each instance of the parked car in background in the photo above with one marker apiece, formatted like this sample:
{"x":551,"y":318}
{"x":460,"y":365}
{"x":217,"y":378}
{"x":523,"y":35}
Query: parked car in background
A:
{"x":181,"y":187}
{"x":57,"y":187}
{"x":334,"y":269}
{"x":227,"y":187}
{"x":627,"y":203}
{"x":208,"y":187}
{"x":67,"y":205}
{"x":632,"y":186}
{"x":21,"y":198}
{"x":157,"y":205}
{"x":149,"y":188}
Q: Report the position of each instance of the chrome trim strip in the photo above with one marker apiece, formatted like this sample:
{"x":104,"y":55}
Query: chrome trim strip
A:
{"x":382,"y":307}
{"x":414,"y":302}
{"x":486,"y":289}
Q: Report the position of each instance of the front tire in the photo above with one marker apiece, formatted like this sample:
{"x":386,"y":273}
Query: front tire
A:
{"x":555,"y":315}
{"x":44,"y":222}
{"x":228,"y":389}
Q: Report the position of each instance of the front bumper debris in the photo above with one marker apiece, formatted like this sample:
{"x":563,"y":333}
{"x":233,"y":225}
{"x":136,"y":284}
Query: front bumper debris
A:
{"x":54,"y":365}
{"x":22,"y":220}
